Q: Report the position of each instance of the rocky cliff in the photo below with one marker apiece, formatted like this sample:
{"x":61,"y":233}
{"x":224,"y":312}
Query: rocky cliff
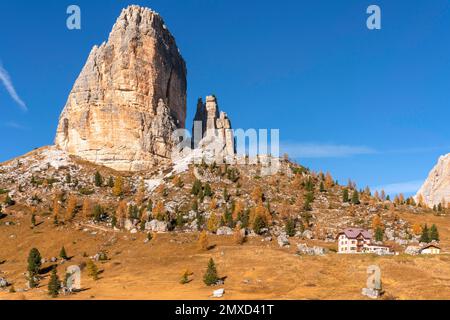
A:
{"x":129,"y":97}
{"x":213,"y":128}
{"x":436,"y":188}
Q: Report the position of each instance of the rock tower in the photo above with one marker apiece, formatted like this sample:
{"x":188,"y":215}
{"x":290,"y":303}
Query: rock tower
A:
{"x":211,"y":125}
{"x":436,"y":189}
{"x":129,"y":97}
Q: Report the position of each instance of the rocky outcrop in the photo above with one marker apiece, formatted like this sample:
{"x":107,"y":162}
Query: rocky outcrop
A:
{"x":213,"y":128}
{"x":129,"y":97}
{"x":436,"y":189}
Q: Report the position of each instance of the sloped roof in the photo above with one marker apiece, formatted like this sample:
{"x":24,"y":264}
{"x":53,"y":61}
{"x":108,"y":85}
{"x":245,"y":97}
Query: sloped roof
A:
{"x":353,"y":233}
{"x":429,"y":246}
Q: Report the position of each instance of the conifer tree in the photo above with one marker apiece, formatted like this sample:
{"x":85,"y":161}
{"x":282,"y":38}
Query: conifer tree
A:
{"x":98,"y":212}
{"x":212,"y":223}
{"x":239,"y":238}
{"x":194,"y":206}
{"x":355,"y":197}
{"x":114,"y":221}
{"x":322,"y":187}
{"x":208,"y":192}
{"x":185,"y":277}
{"x":63,"y":254}
{"x":111,"y":182}
{"x":118,"y":187}
{"x":196,"y":187}
{"x":226,"y":196}
{"x":86,"y":208}
{"x":33,"y":220}
{"x":434,"y":233}
{"x":201,"y":195}
{"x":345,"y":196}
{"x":9,"y":201}
{"x":290,"y":227}
{"x":71,"y":206}
{"x":34,"y":266}
{"x":425,"y":237}
{"x":258,"y":224}
{"x":150,"y":205}
{"x":54,"y":285}
{"x":140,"y":193}
{"x":98,"y":179}
{"x":379,"y":234}
{"x":228,"y":218}
{"x":92,"y":270}
{"x":203,"y":241}
{"x":211,"y":278}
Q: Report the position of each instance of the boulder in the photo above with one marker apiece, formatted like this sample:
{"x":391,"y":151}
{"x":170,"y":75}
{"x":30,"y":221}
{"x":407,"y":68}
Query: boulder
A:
{"x":157,"y":226}
{"x":218,"y":293}
{"x":224,"y":231}
{"x":283,"y":240}
{"x":412,"y":250}
{"x":307,"y":234}
{"x":303,"y":249}
{"x":3,"y":283}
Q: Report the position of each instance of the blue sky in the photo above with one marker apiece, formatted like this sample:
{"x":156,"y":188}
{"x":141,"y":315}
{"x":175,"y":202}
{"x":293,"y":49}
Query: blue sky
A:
{"x":366,"y":105}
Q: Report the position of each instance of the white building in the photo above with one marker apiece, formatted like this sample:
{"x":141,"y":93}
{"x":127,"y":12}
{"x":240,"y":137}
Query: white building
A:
{"x":356,"y":240}
{"x":377,"y":249}
{"x":353,"y":240}
{"x":430,"y":249}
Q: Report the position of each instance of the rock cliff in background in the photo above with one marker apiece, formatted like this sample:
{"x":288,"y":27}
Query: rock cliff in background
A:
{"x":436,"y":188}
{"x":215,"y":127}
{"x":129,"y":97}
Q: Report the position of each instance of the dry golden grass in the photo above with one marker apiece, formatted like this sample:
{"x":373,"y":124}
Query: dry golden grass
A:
{"x":255,"y":270}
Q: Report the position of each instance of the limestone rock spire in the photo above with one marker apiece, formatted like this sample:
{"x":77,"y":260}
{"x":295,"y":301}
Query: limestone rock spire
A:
{"x":436,"y":189}
{"x":213,"y":126}
{"x":129,"y":95}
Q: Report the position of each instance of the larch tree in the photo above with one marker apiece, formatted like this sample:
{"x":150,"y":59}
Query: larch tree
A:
{"x":71,"y":206}
{"x":212,"y":223}
{"x":239,"y":238}
{"x":203,"y":241}
{"x":118,"y":187}
{"x":329,"y":182}
{"x":121,"y":212}
{"x":87,"y":208}
{"x":140,"y":193}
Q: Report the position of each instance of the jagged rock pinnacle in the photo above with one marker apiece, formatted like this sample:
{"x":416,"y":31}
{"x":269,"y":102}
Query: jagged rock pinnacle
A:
{"x":129,"y":97}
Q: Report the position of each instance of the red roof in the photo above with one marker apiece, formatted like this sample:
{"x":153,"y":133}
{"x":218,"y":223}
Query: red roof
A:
{"x":353,"y":233}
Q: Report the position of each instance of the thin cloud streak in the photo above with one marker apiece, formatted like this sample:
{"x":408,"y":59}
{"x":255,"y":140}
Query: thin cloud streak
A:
{"x":406,"y":187}
{"x":313,"y":150}
{"x":6,"y":80}
{"x":419,"y":150}
{"x":15,"y":125}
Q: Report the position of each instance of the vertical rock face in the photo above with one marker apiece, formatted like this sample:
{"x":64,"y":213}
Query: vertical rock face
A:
{"x":436,"y":188}
{"x":129,"y":97}
{"x":215,"y":127}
